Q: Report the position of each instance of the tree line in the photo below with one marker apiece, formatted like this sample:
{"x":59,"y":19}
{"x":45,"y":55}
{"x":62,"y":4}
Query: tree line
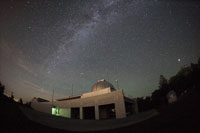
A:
{"x":186,"y":80}
{"x":5,"y":99}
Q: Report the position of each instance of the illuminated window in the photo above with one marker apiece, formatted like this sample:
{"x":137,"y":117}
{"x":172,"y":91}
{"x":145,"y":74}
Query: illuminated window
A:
{"x":54,"y":110}
{"x":61,"y":112}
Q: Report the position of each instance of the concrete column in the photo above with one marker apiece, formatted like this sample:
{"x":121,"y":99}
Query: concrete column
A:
{"x":120,"y":110}
{"x":136,"y":106}
{"x":81,"y":113}
{"x":96,"y":112}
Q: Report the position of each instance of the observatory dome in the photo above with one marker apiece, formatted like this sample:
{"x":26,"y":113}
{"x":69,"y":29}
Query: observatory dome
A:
{"x":102,"y":84}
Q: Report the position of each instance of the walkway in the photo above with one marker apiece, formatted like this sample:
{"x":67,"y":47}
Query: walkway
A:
{"x":85,"y":125}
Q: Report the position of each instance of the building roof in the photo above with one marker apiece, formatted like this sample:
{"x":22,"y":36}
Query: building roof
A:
{"x":69,"y":98}
{"x":38,"y":99}
{"x":102,"y":84}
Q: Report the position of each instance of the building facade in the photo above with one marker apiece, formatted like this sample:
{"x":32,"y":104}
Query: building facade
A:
{"x":103,"y":102}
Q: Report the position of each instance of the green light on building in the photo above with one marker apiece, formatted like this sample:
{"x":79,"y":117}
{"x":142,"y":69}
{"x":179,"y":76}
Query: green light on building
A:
{"x":54,"y":111}
{"x":61,"y":112}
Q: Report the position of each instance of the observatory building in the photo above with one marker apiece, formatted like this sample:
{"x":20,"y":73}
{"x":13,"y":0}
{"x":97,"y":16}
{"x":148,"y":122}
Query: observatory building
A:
{"x":103,"y":102}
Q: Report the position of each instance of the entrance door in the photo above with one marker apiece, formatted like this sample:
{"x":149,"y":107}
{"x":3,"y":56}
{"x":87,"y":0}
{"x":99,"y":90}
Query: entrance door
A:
{"x":107,"y":111}
{"x":89,"y":113}
{"x":75,"y":113}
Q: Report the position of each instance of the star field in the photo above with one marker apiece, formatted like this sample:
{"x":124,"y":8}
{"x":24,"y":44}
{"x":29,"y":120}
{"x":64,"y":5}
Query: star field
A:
{"x":47,"y":44}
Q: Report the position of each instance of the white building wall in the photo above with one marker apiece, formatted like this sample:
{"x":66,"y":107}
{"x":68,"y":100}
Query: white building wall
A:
{"x":96,"y":93}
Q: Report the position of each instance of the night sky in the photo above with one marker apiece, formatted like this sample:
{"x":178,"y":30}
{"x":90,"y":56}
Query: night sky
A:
{"x":50,"y":44}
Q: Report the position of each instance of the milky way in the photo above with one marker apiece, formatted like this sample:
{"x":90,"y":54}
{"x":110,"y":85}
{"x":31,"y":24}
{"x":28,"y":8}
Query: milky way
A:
{"x":47,"y":44}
